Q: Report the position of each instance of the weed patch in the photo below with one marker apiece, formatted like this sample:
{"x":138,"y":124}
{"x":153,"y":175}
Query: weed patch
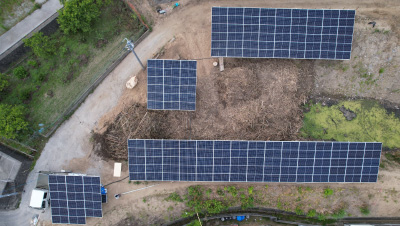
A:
{"x":372,"y":123}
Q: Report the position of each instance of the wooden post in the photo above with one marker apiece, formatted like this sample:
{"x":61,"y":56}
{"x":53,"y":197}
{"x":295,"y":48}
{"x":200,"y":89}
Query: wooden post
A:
{"x":221,"y":64}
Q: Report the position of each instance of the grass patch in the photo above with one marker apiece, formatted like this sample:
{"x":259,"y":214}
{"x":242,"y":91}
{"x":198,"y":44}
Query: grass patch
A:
{"x":393,"y":157}
{"x":381,"y":70}
{"x":175,"y":197}
{"x":328,"y":192}
{"x":372,"y":123}
{"x":364,"y":210}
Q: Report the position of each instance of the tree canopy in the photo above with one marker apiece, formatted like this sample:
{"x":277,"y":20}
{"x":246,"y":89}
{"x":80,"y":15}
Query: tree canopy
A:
{"x":12,"y":120}
{"x":78,"y":15}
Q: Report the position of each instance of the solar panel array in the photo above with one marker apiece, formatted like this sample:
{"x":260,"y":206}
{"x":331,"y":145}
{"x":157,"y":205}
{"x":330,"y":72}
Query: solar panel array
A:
{"x":73,"y":198}
{"x":171,"y":84}
{"x":282,"y":33}
{"x":253,"y":161}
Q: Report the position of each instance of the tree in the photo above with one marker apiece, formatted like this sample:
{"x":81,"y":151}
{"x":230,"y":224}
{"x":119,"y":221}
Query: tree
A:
{"x":12,"y":120}
{"x":3,"y":82}
{"x":78,"y":15}
{"x":41,"y":45}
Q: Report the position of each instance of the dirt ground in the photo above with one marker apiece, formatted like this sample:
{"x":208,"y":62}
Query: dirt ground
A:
{"x":252,"y":99}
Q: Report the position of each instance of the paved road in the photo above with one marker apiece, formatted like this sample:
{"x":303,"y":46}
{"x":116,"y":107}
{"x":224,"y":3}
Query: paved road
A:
{"x":24,"y":27}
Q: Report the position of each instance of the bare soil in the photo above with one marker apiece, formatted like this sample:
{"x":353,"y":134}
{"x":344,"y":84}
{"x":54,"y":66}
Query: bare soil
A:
{"x":251,"y":100}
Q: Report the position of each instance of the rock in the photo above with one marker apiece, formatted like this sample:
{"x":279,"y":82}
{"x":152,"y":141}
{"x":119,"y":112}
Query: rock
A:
{"x":347,"y":113}
{"x":132,"y":82}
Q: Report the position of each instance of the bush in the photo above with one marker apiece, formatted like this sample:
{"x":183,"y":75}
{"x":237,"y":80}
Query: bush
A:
{"x":328,"y":192}
{"x":32,"y":63}
{"x":312,"y":213}
{"x":339,"y":214}
{"x":20,"y":72}
{"x":364,"y":210}
{"x":174,"y":197}
{"x":41,"y":45}
{"x":78,"y":15}
{"x":299,"y":211}
{"x":3,"y":82}
{"x":25,"y":94}
{"x":38,"y":75}
{"x":12,"y":120}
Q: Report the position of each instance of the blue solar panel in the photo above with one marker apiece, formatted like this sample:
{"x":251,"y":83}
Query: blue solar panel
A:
{"x":171,"y":84}
{"x":253,"y":161}
{"x":282,"y":33}
{"x":73,"y":198}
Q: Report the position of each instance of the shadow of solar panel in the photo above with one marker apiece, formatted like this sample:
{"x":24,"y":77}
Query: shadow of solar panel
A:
{"x":282,"y":33}
{"x":73,"y":198}
{"x":253,"y":161}
{"x":171,"y":85}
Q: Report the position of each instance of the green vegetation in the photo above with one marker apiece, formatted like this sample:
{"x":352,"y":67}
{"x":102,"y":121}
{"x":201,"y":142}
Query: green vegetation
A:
{"x":233,"y":191}
{"x":198,"y":204}
{"x":175,"y":197}
{"x":20,"y":72}
{"x":78,"y":15}
{"x":144,"y":200}
{"x":194,"y":223}
{"x":312,"y":213}
{"x":328,"y":192}
{"x":3,"y":82}
{"x":61,"y":67}
{"x":393,"y":156}
{"x":208,"y":192}
{"x":220,"y":192}
{"x":12,"y":120}
{"x":364,"y":210}
{"x":372,"y":123}
{"x":41,"y":45}
{"x":339,"y":214}
{"x":250,"y":190}
{"x":299,"y":211}
{"x":381,"y":70}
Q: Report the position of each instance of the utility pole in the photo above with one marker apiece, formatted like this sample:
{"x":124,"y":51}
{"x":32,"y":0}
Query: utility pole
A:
{"x":130,"y":46}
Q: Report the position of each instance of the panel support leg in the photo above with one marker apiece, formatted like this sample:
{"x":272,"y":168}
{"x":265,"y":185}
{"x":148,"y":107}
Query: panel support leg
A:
{"x":221,"y":64}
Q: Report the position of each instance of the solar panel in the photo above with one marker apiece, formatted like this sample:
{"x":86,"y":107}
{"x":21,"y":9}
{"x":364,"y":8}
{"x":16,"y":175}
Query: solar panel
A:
{"x":73,"y":198}
{"x":171,"y":84}
{"x":282,"y":33}
{"x":253,"y":161}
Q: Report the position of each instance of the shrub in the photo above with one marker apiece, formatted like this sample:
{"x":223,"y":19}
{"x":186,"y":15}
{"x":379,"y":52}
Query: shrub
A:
{"x":339,"y":214}
{"x":220,"y":192}
{"x":20,"y":72}
{"x":12,"y":120}
{"x":250,"y":190}
{"x":25,"y":93}
{"x":78,"y":15}
{"x":32,"y":63}
{"x":3,"y":82}
{"x":312,"y":213}
{"x":38,"y":75}
{"x":174,"y":197}
{"x":299,"y":211}
{"x":41,"y":45}
{"x":233,"y":191}
{"x":364,"y":210}
{"x":328,"y":192}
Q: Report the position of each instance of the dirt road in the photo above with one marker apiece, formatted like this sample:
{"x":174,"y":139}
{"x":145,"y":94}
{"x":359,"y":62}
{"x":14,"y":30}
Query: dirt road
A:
{"x":70,"y":147}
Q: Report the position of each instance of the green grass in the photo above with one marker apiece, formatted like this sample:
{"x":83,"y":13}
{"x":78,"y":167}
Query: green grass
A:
{"x":372,"y":123}
{"x":381,"y":70}
{"x":67,"y":75}
{"x":364,"y":210}
{"x":312,"y":213}
{"x":175,"y":197}
{"x":328,"y":192}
